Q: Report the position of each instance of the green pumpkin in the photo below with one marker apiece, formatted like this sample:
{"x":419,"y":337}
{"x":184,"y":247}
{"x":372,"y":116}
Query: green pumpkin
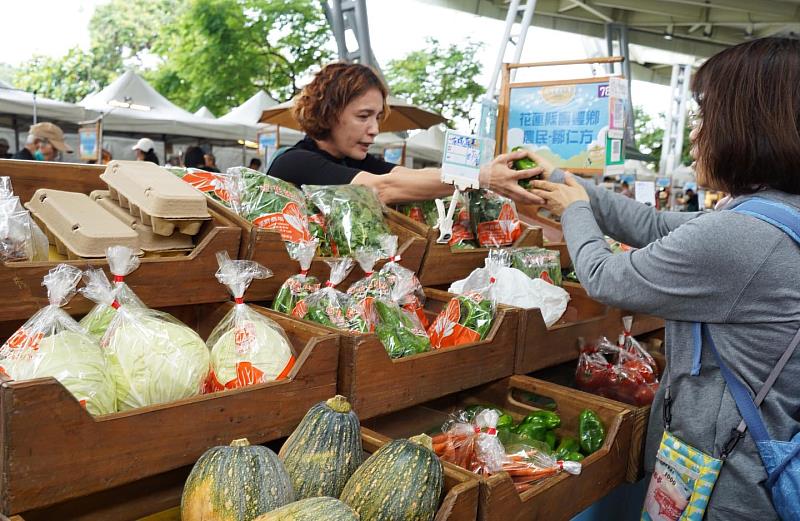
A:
{"x":324,"y":450}
{"x":401,"y":481}
{"x":235,"y":483}
{"x":312,"y":509}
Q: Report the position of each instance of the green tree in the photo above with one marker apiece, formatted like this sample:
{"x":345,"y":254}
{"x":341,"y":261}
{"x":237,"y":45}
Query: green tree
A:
{"x":440,"y":78}
{"x":67,"y":78}
{"x":650,"y":137}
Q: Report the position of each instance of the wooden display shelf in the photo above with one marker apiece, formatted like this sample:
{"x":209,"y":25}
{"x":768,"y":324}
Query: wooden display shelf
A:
{"x":159,"y":281}
{"x":54,"y":451}
{"x":443,"y":265}
{"x":551,"y":230}
{"x":557,"y":498}
{"x":642,"y":322}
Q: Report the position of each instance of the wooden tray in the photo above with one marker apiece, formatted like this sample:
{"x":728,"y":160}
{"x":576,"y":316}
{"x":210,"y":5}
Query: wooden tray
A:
{"x":267,"y":248}
{"x":642,"y":323}
{"x":540,"y":346}
{"x":53,"y":450}
{"x":557,"y":498}
{"x":159,"y":282}
{"x":442,"y":265}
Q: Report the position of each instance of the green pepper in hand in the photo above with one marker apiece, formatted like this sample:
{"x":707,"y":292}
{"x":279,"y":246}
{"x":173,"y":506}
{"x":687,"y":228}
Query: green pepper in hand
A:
{"x":525,"y":163}
{"x":591,"y":432}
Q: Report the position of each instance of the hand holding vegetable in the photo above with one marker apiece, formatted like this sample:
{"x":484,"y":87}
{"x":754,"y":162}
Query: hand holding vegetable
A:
{"x":500,"y":177}
{"x":558,"y":197}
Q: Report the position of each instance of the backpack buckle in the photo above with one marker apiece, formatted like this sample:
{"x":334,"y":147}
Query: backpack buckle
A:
{"x":736,"y":435}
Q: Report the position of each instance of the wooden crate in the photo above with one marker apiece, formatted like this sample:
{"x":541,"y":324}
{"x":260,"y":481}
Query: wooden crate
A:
{"x":642,"y":323}
{"x":541,"y":346}
{"x":53,"y":450}
{"x":159,"y":282}
{"x":557,"y":498}
{"x":552,"y":234}
{"x":442,"y":265}
{"x":267,"y":248}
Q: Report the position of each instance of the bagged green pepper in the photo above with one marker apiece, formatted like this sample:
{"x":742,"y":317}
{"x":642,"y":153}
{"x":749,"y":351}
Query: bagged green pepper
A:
{"x":364,"y":291}
{"x":297,"y":287}
{"x":538,"y":263}
{"x":567,"y":446}
{"x":331,"y":307}
{"x":403,"y":285}
{"x":399,"y":331}
{"x":591,"y":431}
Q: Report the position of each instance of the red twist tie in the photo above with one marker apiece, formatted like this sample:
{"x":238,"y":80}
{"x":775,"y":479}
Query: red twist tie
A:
{"x":492,"y":280}
{"x":477,"y":429}
{"x":304,"y":272}
{"x":119,"y":278}
{"x":626,"y":333}
{"x":368,"y":273}
{"x":329,"y":284}
{"x":115,"y":305}
{"x":238,"y":300}
{"x":560,"y":465}
{"x":492,"y":431}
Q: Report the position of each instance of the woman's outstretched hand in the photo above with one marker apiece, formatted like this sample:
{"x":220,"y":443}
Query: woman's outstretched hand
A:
{"x":499,"y":177}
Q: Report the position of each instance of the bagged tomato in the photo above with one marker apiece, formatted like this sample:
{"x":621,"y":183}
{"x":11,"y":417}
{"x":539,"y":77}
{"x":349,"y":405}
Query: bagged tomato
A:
{"x":297,"y":287}
{"x":494,"y":219}
{"x":329,"y":306}
{"x":401,"y":283}
{"x":52,"y":344}
{"x":247,"y":348}
{"x":364,"y":291}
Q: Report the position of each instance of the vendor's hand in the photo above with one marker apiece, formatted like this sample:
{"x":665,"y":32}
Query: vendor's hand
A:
{"x":546,"y":166}
{"x":499,"y":177}
{"x":558,"y":197}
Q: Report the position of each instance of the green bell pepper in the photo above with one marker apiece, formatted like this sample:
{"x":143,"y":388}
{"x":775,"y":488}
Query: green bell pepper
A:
{"x":550,"y":439}
{"x":532,"y":432}
{"x":591,"y":432}
{"x":505,"y":421}
{"x":573,"y":456}
{"x":567,"y":445}
{"x":549,"y":419}
{"x":525,"y":163}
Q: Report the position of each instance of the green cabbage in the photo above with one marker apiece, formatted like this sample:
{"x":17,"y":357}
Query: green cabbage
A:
{"x":98,"y":319}
{"x":153,"y":358}
{"x":268,"y":352}
{"x":74,"y":360}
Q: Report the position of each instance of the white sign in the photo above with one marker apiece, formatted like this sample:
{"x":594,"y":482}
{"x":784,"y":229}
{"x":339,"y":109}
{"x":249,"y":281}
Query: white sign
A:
{"x":462,"y":158}
{"x":646,"y":192}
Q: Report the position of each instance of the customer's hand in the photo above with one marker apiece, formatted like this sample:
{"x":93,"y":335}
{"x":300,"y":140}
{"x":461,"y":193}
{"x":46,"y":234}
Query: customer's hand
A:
{"x":499,"y":177}
{"x":559,"y":197}
{"x":546,"y":166}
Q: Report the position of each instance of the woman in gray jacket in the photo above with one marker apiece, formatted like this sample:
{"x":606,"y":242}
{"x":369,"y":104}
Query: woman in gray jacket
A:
{"x":734,"y":272}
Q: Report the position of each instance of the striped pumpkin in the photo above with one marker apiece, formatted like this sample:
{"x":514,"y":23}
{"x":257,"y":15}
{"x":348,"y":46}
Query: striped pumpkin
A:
{"x":235,"y":483}
{"x":312,"y":509}
{"x":324,"y":450}
{"x":401,"y":481}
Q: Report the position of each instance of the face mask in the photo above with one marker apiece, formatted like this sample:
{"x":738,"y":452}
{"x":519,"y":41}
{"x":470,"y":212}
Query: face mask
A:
{"x":38,"y":155}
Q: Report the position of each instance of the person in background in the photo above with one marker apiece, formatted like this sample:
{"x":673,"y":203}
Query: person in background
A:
{"x":4,"y":149}
{"x":255,"y":164}
{"x":193,"y":157}
{"x":692,"y":204}
{"x":341,"y":111}
{"x":44,"y":142}
{"x":626,"y":190}
{"x":145,"y":150}
{"x":105,"y":158}
{"x":210,"y":163}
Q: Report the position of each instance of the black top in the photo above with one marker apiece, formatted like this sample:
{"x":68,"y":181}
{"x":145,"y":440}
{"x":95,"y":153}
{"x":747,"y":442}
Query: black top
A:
{"x":692,"y":204}
{"x":24,"y":153}
{"x":306,"y":164}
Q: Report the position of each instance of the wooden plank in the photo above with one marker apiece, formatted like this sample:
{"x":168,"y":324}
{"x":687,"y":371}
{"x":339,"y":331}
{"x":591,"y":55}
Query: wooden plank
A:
{"x":599,"y":59}
{"x":47,"y":434}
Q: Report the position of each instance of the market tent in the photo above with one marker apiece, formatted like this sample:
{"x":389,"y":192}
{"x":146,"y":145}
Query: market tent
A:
{"x":249,"y":113}
{"x":4,"y":85}
{"x":427,"y":145}
{"x":130,"y":104}
{"x":21,"y":103}
{"x":203,"y":112}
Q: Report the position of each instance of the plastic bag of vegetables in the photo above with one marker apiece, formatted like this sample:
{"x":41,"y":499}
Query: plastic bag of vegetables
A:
{"x":364,"y":291}
{"x":399,"y":329}
{"x":21,"y":238}
{"x":318,"y":230}
{"x":153,"y":358}
{"x":52,"y":343}
{"x":329,"y":306}
{"x":421,"y":211}
{"x":297,"y":287}
{"x":494,"y":218}
{"x":538,"y":263}
{"x":401,"y":283}
{"x":247,"y":348}
{"x":122,"y":261}
{"x":212,"y":184}
{"x":353,"y":215}
{"x":269,"y":203}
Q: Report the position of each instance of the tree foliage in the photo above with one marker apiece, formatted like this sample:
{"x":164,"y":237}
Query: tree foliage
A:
{"x":440,"y":78}
{"x":68,"y":78}
{"x":650,"y":137}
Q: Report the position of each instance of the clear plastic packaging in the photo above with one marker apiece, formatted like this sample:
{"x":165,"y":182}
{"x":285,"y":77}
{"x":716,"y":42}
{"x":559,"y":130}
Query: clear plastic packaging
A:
{"x":212,"y":184}
{"x":399,"y":329}
{"x":364,"y":291}
{"x":153,"y":357}
{"x":122,"y":261}
{"x":489,"y":452}
{"x":402,"y":284}
{"x":331,"y":307}
{"x":21,"y":239}
{"x":297,"y":287}
{"x":538,"y":263}
{"x":494,"y":218}
{"x":529,"y":465}
{"x":52,"y":343}
{"x":247,"y":348}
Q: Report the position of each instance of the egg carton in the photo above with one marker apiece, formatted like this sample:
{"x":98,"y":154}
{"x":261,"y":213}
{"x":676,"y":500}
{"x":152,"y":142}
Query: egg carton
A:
{"x":156,"y":197}
{"x":149,"y":241}
{"x":77,"y":226}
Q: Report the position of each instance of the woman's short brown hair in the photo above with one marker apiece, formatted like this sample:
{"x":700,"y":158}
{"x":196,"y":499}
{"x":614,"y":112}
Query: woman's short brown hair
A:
{"x":321,"y":102}
{"x":749,"y":133}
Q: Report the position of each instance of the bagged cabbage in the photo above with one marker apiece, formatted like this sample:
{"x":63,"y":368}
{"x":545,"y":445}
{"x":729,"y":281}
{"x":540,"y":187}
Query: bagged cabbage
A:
{"x":401,"y":283}
{"x":269,"y":203}
{"x":494,"y":219}
{"x":364,"y":291}
{"x":51,"y":343}
{"x":21,"y":239}
{"x":353,"y":215}
{"x":247,"y":348}
{"x":538,"y":263}
{"x":122,"y":261}
{"x":297,"y":287}
{"x":329,"y":306}
{"x":153,"y":358}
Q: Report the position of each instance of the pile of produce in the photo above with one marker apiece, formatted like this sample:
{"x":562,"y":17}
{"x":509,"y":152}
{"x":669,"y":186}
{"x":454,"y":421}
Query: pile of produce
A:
{"x":494,"y":218}
{"x":538,"y":263}
{"x":329,"y":306}
{"x":298,"y":287}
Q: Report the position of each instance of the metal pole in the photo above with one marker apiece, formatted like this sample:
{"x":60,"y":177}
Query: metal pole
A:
{"x":34,"y":108}
{"x":527,"y":16}
{"x":630,"y":136}
{"x":498,"y":64}
{"x":337,"y":24}
{"x":678,"y":137}
{"x":16,"y":132}
{"x":362,"y":22}
{"x":666,"y":147}
{"x":610,"y":45}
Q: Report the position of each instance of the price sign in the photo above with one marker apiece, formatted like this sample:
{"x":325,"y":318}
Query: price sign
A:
{"x":462,"y":158}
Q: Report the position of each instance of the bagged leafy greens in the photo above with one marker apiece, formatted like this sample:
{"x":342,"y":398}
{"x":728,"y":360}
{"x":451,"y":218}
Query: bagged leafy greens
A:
{"x":421,"y":211}
{"x":353,"y":216}
{"x":122,"y":261}
{"x":153,"y":358}
{"x":51,"y":343}
{"x":212,"y":184}
{"x":399,"y":329}
{"x":247,"y":348}
{"x":401,"y":283}
{"x":318,"y":230}
{"x":329,"y":306}
{"x":297,"y":287}
{"x":538,"y":263}
{"x":494,"y":219}
{"x":364,"y":291}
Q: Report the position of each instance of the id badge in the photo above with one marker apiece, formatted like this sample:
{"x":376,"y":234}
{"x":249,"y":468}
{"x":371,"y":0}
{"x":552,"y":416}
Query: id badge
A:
{"x":682,"y":482}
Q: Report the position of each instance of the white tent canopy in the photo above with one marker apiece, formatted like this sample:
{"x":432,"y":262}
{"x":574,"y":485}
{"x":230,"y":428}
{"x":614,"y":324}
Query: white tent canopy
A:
{"x":249,"y":112}
{"x":21,"y":103}
{"x":203,"y":112}
{"x":130,"y":104}
{"x":427,"y":144}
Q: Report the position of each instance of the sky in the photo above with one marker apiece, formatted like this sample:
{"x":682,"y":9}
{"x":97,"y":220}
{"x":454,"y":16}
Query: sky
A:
{"x":396,"y":28}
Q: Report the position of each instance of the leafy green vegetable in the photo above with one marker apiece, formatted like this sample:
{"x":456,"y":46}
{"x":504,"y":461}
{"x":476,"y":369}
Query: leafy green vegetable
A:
{"x":478,"y":314}
{"x":538,"y":263}
{"x":397,"y":331}
{"x":494,"y":219}
{"x":421,"y":211}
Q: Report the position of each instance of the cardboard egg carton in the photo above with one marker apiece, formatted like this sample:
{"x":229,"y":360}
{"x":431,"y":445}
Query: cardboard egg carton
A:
{"x":156,"y":197}
{"x":149,"y":241}
{"x":77,"y":226}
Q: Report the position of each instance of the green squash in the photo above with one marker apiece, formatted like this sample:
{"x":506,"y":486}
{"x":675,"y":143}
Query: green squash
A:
{"x":312,"y":509}
{"x":401,"y":481}
{"x":235,"y":483}
{"x":324,"y":450}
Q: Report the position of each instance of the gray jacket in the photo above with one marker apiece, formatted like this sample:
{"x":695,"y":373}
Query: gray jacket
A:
{"x":732,"y":271}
